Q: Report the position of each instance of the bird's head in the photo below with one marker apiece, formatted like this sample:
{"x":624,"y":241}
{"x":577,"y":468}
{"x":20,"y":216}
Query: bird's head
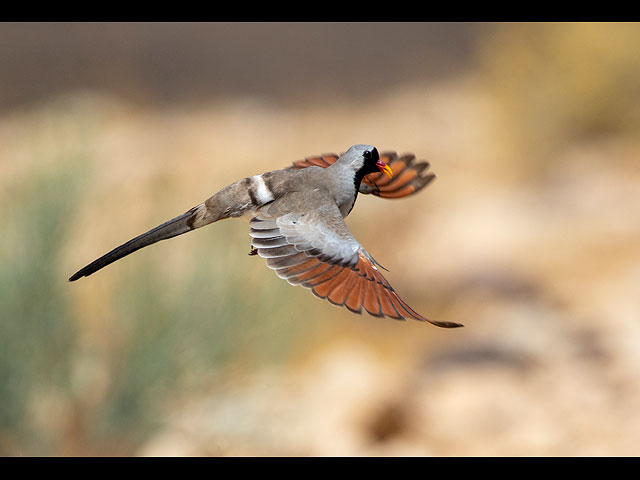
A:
{"x":364,"y":159}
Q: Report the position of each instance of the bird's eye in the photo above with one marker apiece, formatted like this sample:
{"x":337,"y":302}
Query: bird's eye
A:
{"x":367,"y":154}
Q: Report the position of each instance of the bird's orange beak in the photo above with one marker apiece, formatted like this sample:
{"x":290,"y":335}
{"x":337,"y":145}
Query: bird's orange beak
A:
{"x":384,"y":168}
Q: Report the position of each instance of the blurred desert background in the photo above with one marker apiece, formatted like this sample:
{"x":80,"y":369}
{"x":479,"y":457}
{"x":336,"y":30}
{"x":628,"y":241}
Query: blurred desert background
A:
{"x":529,"y":236}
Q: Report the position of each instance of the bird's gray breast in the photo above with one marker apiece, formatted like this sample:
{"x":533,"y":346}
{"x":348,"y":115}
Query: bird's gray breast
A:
{"x":345,"y":192}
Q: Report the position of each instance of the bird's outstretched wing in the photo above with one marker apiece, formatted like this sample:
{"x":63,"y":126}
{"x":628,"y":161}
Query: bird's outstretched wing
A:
{"x":409,"y":175}
{"x":317,"y":251}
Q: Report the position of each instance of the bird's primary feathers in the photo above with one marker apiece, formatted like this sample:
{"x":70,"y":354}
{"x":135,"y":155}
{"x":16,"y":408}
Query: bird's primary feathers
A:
{"x":297,"y":225}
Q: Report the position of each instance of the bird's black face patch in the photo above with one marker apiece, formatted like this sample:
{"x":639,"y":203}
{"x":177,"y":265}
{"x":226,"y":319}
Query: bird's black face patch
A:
{"x":371,"y":158}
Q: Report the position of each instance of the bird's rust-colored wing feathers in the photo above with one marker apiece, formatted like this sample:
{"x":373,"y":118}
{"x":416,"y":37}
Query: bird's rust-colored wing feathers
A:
{"x":409,"y":175}
{"x":330,"y":262}
{"x":319,"y":161}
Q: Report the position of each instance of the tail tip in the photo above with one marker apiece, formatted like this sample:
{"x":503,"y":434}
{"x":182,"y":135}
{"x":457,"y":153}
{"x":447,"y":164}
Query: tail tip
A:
{"x":446,"y":324}
{"x":75,"y":277}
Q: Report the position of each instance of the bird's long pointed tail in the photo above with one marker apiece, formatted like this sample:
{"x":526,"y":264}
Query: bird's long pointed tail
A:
{"x":181,"y":224}
{"x":232,"y":201}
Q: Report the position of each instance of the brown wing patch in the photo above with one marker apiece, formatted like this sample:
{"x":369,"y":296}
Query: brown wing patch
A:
{"x":323,"y":287}
{"x":294,"y":271}
{"x":404,"y":191}
{"x":339,"y":289}
{"x":354,"y":299}
{"x":355,"y":288}
{"x":323,"y":161}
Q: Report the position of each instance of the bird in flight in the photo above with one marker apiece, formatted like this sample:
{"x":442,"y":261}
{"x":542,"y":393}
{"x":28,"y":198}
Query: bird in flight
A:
{"x":297,"y":225}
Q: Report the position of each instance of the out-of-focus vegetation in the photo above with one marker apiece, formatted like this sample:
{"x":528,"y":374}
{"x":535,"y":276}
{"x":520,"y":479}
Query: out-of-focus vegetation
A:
{"x":529,"y":236}
{"x":82,"y":366}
